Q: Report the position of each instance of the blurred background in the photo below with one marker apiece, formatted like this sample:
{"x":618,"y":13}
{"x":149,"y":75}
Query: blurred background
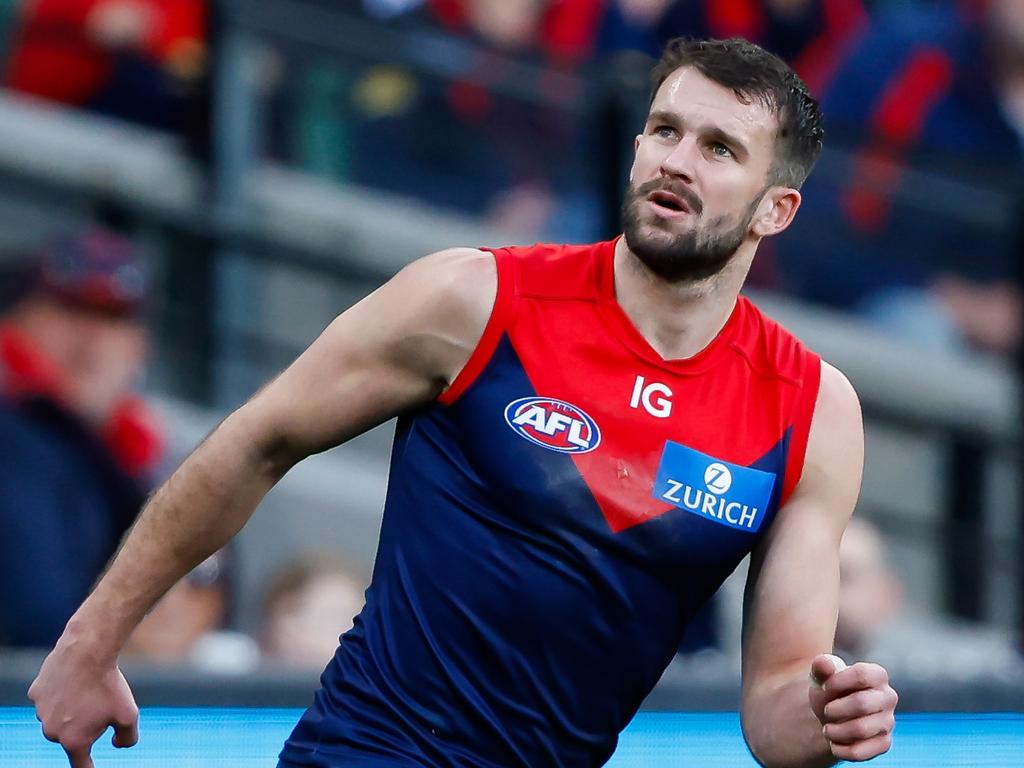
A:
{"x":191,"y":190}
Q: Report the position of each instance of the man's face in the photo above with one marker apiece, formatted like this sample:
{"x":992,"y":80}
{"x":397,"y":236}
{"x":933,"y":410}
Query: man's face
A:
{"x":869,"y":592}
{"x":1006,"y":20}
{"x":698,"y":178}
{"x":101,"y":357}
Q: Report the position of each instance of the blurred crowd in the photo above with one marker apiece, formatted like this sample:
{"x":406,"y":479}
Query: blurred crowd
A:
{"x":140,"y":60}
{"x":82,"y":449}
{"x":910,"y":225}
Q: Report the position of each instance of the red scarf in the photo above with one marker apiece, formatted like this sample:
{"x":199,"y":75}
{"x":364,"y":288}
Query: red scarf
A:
{"x":132,"y":432}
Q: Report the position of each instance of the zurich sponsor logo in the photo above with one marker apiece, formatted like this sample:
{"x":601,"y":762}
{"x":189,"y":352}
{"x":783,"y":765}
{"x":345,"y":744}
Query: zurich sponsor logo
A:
{"x":728,"y":494}
{"x":553,"y":424}
{"x":718,"y":478}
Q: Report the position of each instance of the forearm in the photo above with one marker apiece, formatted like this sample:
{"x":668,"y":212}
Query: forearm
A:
{"x":779,"y":725}
{"x":195,"y":513}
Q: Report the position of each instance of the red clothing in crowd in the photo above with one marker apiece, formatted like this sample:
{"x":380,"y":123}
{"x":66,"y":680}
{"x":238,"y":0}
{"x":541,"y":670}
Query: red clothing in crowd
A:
{"x":131,"y":433}
{"x":568,"y":29}
{"x":55,"y":55}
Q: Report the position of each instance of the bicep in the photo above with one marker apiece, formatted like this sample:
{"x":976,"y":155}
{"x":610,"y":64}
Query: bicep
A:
{"x":396,"y":349}
{"x":791,"y":600}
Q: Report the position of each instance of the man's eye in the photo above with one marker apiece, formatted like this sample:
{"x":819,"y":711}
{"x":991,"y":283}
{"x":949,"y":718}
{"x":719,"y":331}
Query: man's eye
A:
{"x":665,"y":131}
{"x":721,"y":150}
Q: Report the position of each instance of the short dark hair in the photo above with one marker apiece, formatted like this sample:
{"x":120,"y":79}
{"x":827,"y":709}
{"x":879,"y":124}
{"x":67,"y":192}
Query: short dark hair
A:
{"x":754,"y":74}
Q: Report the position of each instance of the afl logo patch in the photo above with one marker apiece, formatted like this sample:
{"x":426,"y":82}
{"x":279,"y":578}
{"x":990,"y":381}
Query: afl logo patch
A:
{"x":553,"y":424}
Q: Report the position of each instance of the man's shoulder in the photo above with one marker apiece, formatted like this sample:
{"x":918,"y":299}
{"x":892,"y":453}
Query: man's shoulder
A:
{"x":837,"y":393}
{"x":549,"y":250}
{"x":558,"y":270}
{"x":552,"y":257}
{"x":782,"y":350}
{"x":453,"y":279}
{"x":771,"y":347}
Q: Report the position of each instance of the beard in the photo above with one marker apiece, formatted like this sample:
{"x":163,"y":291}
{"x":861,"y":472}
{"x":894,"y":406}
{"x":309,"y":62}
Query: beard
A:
{"x":697,"y":254}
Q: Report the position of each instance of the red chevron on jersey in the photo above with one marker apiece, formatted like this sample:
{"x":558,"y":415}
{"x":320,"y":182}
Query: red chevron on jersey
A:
{"x":553,"y":524}
{"x":752,"y":387}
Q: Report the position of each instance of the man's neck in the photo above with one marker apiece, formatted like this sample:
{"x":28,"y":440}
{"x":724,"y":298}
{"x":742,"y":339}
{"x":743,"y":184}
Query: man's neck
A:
{"x":677,"y":319}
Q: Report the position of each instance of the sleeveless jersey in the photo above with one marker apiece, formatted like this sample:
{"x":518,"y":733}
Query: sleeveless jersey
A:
{"x":552,"y":523}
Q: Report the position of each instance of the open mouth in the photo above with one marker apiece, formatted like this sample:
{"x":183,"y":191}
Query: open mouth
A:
{"x":669,"y":202}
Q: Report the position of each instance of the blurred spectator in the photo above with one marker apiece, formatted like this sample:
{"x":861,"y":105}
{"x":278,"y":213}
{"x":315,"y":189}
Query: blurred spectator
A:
{"x":188,"y":625}
{"x":870,"y":592}
{"x":942,"y":91}
{"x":139,"y":60}
{"x":519,"y":164}
{"x":460,"y":140}
{"x":562,"y":32}
{"x":78,"y":445}
{"x":632,"y":25}
{"x":306,"y":607}
{"x":813,"y":35}
{"x":875,"y":623}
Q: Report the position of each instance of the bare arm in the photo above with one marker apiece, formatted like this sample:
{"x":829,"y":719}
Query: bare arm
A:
{"x":399,"y":347}
{"x":791,"y":608}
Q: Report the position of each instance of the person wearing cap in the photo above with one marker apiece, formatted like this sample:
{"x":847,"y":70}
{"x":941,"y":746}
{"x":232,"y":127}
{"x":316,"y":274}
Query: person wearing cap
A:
{"x":79,"y":445}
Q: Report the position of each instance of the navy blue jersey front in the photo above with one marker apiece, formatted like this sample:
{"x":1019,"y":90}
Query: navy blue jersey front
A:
{"x":552,"y":523}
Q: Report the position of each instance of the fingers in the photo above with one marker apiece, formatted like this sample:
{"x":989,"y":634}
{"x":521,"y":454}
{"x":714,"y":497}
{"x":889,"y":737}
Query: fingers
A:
{"x":861,"y":676}
{"x":859,"y":714}
{"x":863,"y":750}
{"x":860,"y":703}
{"x":78,"y":755}
{"x":862,"y":729}
{"x":126,"y":734}
{"x":824,"y":666}
{"x":77,"y":699}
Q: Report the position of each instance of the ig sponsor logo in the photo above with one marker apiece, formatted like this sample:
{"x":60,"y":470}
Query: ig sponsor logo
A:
{"x":654,"y":397}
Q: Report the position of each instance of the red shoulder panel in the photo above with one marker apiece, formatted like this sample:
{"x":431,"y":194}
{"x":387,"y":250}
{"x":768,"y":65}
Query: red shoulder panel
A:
{"x":496,"y":325}
{"x":555,"y":271}
{"x":542,"y":271}
{"x":775,"y":352}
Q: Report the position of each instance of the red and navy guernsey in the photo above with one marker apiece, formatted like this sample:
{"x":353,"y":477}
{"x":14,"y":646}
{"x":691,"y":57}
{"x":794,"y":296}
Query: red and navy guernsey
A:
{"x":552,"y":523}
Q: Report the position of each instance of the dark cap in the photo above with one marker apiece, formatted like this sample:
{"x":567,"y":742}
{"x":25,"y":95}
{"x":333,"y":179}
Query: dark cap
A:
{"x":95,"y":269}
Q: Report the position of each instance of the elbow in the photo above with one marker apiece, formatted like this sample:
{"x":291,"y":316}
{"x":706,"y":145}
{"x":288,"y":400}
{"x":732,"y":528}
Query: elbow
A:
{"x":753,"y":736}
{"x":267,"y":450}
{"x":768,"y":745}
{"x":759,"y":750}
{"x":768,"y":761}
{"x":274,"y":458}
{"x":769,"y":752}
{"x":765,"y":761}
{"x":762,"y":754}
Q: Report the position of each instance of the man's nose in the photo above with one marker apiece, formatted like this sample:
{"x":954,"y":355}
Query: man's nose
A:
{"x":681,"y":162}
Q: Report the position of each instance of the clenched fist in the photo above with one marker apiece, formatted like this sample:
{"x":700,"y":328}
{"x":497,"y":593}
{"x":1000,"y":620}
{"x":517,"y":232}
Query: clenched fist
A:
{"x":856,"y":706}
{"x":78,"y":697}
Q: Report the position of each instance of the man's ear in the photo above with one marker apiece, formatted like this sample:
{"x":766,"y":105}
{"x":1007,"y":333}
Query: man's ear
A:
{"x":776,"y":211}
{"x":636,"y":148}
